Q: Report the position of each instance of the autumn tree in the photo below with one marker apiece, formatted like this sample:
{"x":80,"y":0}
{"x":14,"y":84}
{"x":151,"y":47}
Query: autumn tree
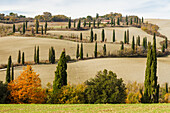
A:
{"x":26,"y":88}
{"x":60,"y":73}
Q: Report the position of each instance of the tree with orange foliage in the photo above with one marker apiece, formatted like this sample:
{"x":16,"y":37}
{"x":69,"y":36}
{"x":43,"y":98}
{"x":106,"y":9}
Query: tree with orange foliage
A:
{"x":26,"y":88}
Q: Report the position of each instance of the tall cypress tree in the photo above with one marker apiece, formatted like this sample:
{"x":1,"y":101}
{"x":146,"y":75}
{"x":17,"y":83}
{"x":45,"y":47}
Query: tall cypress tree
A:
{"x":114,"y":35}
{"x":23,"y":58}
{"x":13,"y":28}
{"x":79,"y":25}
{"x":122,"y":46}
{"x":95,"y":50}
{"x":111,"y":22}
{"x":94,"y":23}
{"x":35,"y":54}
{"x":19,"y":57}
{"x":114,"y":23}
{"x":131,"y":22}
{"x":138,"y":41}
{"x":60,"y":73}
{"x":142,"y":20}
{"x":166,"y":87}
{"x":118,"y":23}
{"x":103,"y":35}
{"x":163,"y":48}
{"x":95,"y":37}
{"x":37,"y":59}
{"x":98,"y":23}
{"x":45,"y":27}
{"x":23,"y":28}
{"x":166,"y":43}
{"x":125,"y":38}
{"x":81,"y":37}
{"x":12,"y":72}
{"x":42,"y":30}
{"x":104,"y":50}
{"x":89,"y":24}
{"x":145,"y":43}
{"x":74,"y":23}
{"x":52,"y":55}
{"x":91,"y":35}
{"x":36,"y":26}
{"x":77,"y":52}
{"x":133,"y":43}
{"x":84,"y":23}
{"x":26,"y":24}
{"x":81,"y":51}
{"x":69,"y":23}
{"x":8,"y":75}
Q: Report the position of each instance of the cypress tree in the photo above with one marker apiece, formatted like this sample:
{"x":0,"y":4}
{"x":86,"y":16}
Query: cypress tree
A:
{"x":166,"y":43}
{"x":13,"y":28}
{"x":52,"y":55}
{"x":114,"y":23}
{"x":103,"y":35}
{"x":91,"y":35}
{"x":77,"y":53}
{"x":125,"y":38}
{"x":95,"y":50}
{"x":113,"y":35}
{"x":97,"y":16}
{"x":81,"y":36}
{"x":12,"y":72}
{"x":60,"y":73}
{"x":8,"y":75}
{"x":94,"y":23}
{"x":81,"y":51}
{"x":79,"y":25}
{"x":45,"y":27}
{"x":37,"y":26}
{"x":98,"y":23}
{"x":133,"y":43}
{"x":23,"y":58}
{"x":95,"y":37}
{"x":118,"y":23}
{"x":138,"y":41}
{"x":69,"y":23}
{"x":35,"y":55}
{"x":142,"y":20}
{"x":131,"y":22}
{"x":74,"y":23}
{"x":166,"y":87}
{"x":145,"y":43}
{"x":49,"y":55}
{"x":89,"y":24}
{"x":111,"y":22}
{"x":26,"y":24}
{"x":19,"y":57}
{"x":84,"y":23}
{"x":163,"y":48}
{"x":122,"y":46}
{"x":37,"y":59}
{"x":42,"y":30}
{"x":23,"y":28}
{"x":104,"y":50}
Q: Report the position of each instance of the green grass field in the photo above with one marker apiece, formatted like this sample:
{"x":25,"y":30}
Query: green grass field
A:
{"x":85,"y":108}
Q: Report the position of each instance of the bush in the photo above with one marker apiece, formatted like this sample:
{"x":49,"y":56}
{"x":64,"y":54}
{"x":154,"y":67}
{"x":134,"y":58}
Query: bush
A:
{"x":105,"y":88}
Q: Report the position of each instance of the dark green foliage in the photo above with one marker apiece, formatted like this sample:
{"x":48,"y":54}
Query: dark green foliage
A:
{"x":81,"y":51}
{"x":81,"y":36}
{"x":42,"y":30}
{"x":8,"y":74}
{"x":163,"y":48}
{"x":144,"y":43}
{"x":138,"y":41}
{"x":94,"y":23}
{"x":114,"y":23}
{"x":97,"y":15}
{"x":87,"y":55}
{"x":95,"y":37}
{"x":23,"y":28}
{"x":79,"y":25}
{"x":74,"y":23}
{"x":91,"y":35}
{"x":26,"y":24}
{"x":118,"y":23}
{"x":23,"y":58}
{"x":3,"y":93}
{"x":103,"y":35}
{"x":35,"y":54}
{"x":114,"y":35}
{"x":122,"y":46}
{"x":36,"y":26}
{"x":84,"y":23}
{"x":166,"y":43}
{"x":98,"y":23}
{"x":52,"y":55}
{"x":89,"y":23}
{"x":104,"y":50}
{"x":60,"y":73}
{"x":131,"y":22}
{"x":133,"y":43}
{"x":12,"y":72}
{"x":142,"y":20}
{"x":166,"y":87}
{"x":13,"y":28}
{"x":77,"y":53}
{"x":111,"y":22}
{"x":105,"y":88}
{"x":37,"y":59}
{"x":95,"y":50}
{"x":69,"y":23}
{"x":19,"y":57}
{"x":125,"y":38}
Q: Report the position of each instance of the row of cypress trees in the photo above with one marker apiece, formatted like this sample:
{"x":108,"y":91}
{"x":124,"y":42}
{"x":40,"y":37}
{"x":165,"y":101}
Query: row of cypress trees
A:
{"x":79,"y":53}
{"x":9,"y":71}
{"x":19,"y":58}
